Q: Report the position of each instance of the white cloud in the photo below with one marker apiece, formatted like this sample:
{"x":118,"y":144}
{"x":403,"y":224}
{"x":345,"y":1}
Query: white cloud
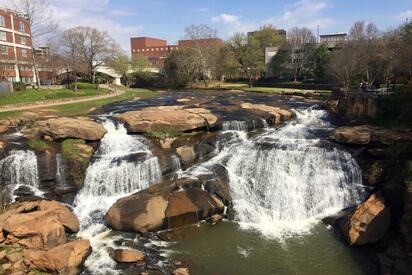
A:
{"x":405,"y":15}
{"x":230,"y":24}
{"x":307,"y":13}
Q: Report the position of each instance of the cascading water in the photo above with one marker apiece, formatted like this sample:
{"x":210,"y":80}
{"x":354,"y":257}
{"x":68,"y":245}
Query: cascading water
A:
{"x":19,"y":169}
{"x":283,"y":181}
{"x":234,"y":125}
{"x":122,"y":165}
{"x":60,"y":171}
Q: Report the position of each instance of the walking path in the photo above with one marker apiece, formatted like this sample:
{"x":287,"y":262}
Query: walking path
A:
{"x":46,"y":104}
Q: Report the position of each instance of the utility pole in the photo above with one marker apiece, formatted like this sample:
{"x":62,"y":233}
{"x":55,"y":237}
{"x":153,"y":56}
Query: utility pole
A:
{"x":318,"y":33}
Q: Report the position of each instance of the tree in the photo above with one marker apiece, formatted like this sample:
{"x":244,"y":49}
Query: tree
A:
{"x":369,"y":50}
{"x":246,"y":52}
{"x":204,"y":47}
{"x":280,"y":63}
{"x":124,"y":66}
{"x":318,"y":62}
{"x":301,"y":42}
{"x":41,"y":22}
{"x":179,"y":69}
{"x":343,"y":66}
{"x":93,"y":48}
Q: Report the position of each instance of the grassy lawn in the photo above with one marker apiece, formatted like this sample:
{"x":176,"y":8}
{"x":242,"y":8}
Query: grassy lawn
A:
{"x":39,"y":95}
{"x":84,"y":108}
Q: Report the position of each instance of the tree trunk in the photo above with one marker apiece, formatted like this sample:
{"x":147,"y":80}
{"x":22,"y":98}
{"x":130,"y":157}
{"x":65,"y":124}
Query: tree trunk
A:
{"x":36,"y":70}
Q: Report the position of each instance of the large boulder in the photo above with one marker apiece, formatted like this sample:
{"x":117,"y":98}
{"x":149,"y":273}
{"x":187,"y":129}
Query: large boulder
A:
{"x":365,"y":134}
{"x":38,"y":225}
{"x":77,"y":128}
{"x":175,"y":118}
{"x":63,"y":259}
{"x":127,"y":256}
{"x":277,"y":115}
{"x":163,"y":206}
{"x":368,"y":223}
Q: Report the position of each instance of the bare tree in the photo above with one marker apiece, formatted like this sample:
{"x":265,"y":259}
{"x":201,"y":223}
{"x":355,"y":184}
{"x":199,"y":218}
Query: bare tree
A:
{"x":343,"y":66}
{"x":301,"y":42}
{"x":204,"y":46}
{"x":92,"y":47}
{"x":41,"y":20}
{"x":70,"y":49}
{"x":369,"y":49}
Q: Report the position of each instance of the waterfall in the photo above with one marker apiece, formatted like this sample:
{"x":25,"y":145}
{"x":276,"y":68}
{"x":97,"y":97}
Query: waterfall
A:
{"x":60,"y":171}
{"x":284,"y":181}
{"x":234,"y":125}
{"x":19,"y":170}
{"x":122,"y":165}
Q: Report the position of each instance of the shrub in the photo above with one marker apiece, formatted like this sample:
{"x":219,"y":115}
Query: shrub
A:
{"x":164,"y":133}
{"x":147,"y":80}
{"x":38,"y":145}
{"x":84,"y":86}
{"x":19,"y":86}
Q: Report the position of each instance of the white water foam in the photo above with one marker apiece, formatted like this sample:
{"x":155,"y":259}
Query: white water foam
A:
{"x":19,"y":169}
{"x":284,"y":181}
{"x":123,"y":165}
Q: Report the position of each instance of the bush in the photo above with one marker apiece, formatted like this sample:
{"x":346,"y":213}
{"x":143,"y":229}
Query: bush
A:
{"x":147,"y":80}
{"x":19,"y":86}
{"x":84,"y":86}
{"x":164,"y":133}
{"x":395,"y":110}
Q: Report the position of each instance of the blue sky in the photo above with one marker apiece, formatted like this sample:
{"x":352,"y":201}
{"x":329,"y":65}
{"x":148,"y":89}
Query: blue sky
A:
{"x":168,"y":18}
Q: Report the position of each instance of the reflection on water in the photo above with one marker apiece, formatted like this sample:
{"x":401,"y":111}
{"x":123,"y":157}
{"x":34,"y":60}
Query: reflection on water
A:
{"x":226,"y":249}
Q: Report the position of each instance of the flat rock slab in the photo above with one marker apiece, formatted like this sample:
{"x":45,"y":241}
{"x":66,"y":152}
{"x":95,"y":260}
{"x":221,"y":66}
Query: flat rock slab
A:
{"x":174,"y":118}
{"x":76,"y":128}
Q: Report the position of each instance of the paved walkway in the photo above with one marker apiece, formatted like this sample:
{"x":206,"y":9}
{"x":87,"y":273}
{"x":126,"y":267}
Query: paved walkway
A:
{"x":46,"y":104}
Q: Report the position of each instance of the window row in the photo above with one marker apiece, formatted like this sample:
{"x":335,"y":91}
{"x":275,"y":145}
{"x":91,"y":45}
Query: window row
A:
{"x":154,"y":49}
{"x":3,"y":37}
{"x":21,"y":26}
{"x":5,"y":50}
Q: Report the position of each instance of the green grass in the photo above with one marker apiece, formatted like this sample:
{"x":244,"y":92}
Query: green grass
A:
{"x":284,"y":90}
{"x":164,"y":133}
{"x":39,"y":95}
{"x":10,"y":249}
{"x":84,"y":108}
{"x":38,"y":145}
{"x":71,"y":151}
{"x":8,"y":115}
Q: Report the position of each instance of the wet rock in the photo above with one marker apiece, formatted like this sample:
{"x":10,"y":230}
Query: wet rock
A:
{"x":65,"y":128}
{"x":334,"y":220}
{"x":127,"y":256}
{"x":2,"y":145}
{"x":63,"y":258}
{"x":375,"y":173}
{"x":368,"y":223}
{"x":163,"y":206}
{"x":215,"y":218}
{"x":1,"y":237}
{"x":174,"y":118}
{"x":3,"y":129}
{"x":187,"y":154}
{"x":181,"y":271}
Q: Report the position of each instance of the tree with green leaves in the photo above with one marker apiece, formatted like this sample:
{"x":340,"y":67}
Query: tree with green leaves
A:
{"x":179,"y":68}
{"x":318,"y":62}
{"x":125,"y":66}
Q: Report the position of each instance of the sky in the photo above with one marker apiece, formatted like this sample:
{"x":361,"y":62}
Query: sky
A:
{"x":167,"y":19}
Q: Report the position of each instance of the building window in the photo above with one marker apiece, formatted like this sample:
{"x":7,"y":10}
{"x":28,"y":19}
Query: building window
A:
{"x":2,"y":21}
{"x":21,"y":26}
{"x":23,"y":40}
{"x":3,"y":49}
{"x":24,"y":53}
{"x":3,"y":36}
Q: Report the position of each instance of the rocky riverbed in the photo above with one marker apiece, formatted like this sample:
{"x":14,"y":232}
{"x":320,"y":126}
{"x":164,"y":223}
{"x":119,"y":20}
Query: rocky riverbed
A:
{"x":119,"y":185}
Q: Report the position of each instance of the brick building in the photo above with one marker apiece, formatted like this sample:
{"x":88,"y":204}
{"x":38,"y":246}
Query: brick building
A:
{"x":156,"y":50}
{"x":334,"y":40}
{"x":16,"y":63}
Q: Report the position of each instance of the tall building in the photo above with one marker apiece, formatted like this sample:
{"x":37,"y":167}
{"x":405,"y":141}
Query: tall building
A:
{"x":333,"y":40}
{"x":16,"y":63}
{"x":156,"y":50}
